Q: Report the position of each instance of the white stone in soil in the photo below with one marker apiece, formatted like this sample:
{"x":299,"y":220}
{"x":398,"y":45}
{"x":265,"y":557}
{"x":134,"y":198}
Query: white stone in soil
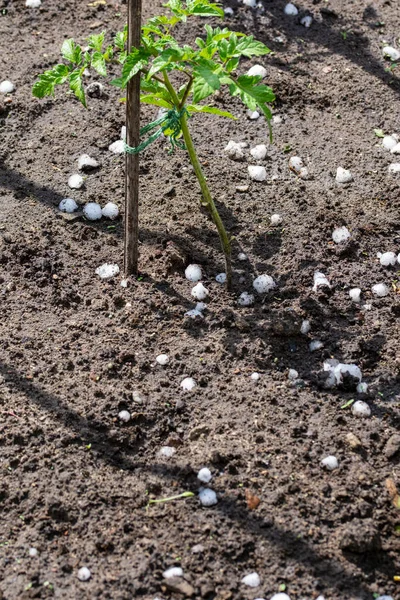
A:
{"x":87,"y":162}
{"x":255,"y":376}
{"x":383,"y":598}
{"x":380,"y":290}
{"x":117,"y":147}
{"x":252,"y":580}
{"x":343,"y":175}
{"x":346,"y":369}
{"x":200,"y":292}
{"x":106,"y":271}
{"x":76,"y":181}
{"x":220,"y":278}
{"x":259,"y":152}
{"x":228,"y":11}
{"x":123,"y":133}
{"x":277,"y":119}
{"x":250,"y":3}
{"x":395,"y":149}
{"x":162,"y":359}
{"x":391,"y":53}
{"x":193,"y":273}
{"x":68,"y":205}
{"x":330,"y":364}
{"x":280,"y":596}
{"x":188,"y":384}
{"x":92,"y":211}
{"x":124,"y":416}
{"x":193,"y":313}
{"x":263,"y":284}
{"x":84,"y":574}
{"x":394,"y":168}
{"x":303,"y":173}
{"x":33,"y":552}
{"x":361,"y":409}
{"x":200,"y":306}
{"x":110,"y":211}
{"x":296,"y":163}
{"x":340,"y":234}
{"x":246,"y":299}
{"x":257,"y":173}
{"x":330,"y":463}
{"x":315,"y":345}
{"x":355,"y":294}
{"x":389,"y":142}
{"x":306,"y":21}
{"x":204,"y":475}
{"x":293,"y":375}
{"x":257,"y":70}
{"x":320,"y":281}
{"x":362,"y":388}
{"x":173,"y":572}
{"x":305,"y":327}
{"x":387,"y":259}
{"x":33,"y":3}
{"x":253,"y":114}
{"x":276,"y":220}
{"x":6,"y":87}
{"x":167,"y":451}
{"x":242,"y":256}
{"x":235,"y":150}
{"x":291,"y":10}
{"x":207,"y":497}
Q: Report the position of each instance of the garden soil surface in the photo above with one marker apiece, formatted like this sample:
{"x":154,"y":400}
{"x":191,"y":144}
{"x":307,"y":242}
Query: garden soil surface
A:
{"x":75,"y":350}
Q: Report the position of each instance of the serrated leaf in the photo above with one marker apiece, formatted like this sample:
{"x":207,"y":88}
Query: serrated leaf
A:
{"x":201,"y":89}
{"x":71,"y":52}
{"x":379,"y":133}
{"x":49,"y":79}
{"x":204,"y":108}
{"x":155,"y":101}
{"x":96,"y":41}
{"x":120,"y":39}
{"x":135,"y":61}
{"x":76,"y":85}
{"x":248,"y":46}
{"x":166,"y":60}
{"x":99,"y":63}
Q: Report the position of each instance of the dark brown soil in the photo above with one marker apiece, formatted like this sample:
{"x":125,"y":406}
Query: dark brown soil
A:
{"x":74,"y":481}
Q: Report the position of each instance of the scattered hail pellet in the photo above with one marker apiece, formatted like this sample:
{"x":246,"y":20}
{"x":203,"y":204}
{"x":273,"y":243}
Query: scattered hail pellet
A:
{"x":220,"y":278}
{"x":33,"y":3}
{"x":340,"y":234}
{"x":246,"y":299}
{"x":387,"y":259}
{"x":242,"y":256}
{"x":200,"y":292}
{"x":257,"y":173}
{"x":291,"y":10}
{"x":193,"y":273}
{"x":276,"y":220}
{"x":281,"y":596}
{"x":361,"y":409}
{"x":355,"y":294}
{"x":320,"y":281}
{"x":277,"y":119}
{"x":382,"y":598}
{"x":293,"y":375}
{"x":188,"y":384}
{"x":343,"y":175}
{"x":86,"y":163}
{"x":173,"y":572}
{"x":68,"y":205}
{"x":250,"y":3}
{"x":394,"y":168}
{"x":305,"y":327}
{"x":263,"y":284}
{"x":162,"y":359}
{"x":257,"y":70}
{"x":6,"y":87}
{"x":389,"y":142}
{"x":204,"y":475}
{"x":92,"y":211}
{"x":107,"y":270}
{"x":259,"y":152}
{"x":124,"y":416}
{"x":306,"y":21}
{"x":252,"y":580}
{"x":136,"y":397}
{"x":362,"y":388}
{"x":253,"y":114}
{"x":33,"y":552}
{"x":207,"y":497}
{"x":123,"y":132}
{"x":95,"y":89}
{"x":391,"y":53}
{"x":84,"y":574}
{"x":235,"y":150}
{"x":295,"y":163}
{"x":380,"y":290}
{"x":228,"y":11}
{"x":117,"y":147}
{"x":194,"y":313}
{"x":303,"y":173}
{"x":110,"y":211}
{"x":341,"y":370}
{"x":330,"y":463}
{"x":76,"y":182}
{"x":315,"y":345}
{"x":395,"y":149}
{"x":255,"y":376}
{"x":167,"y":451}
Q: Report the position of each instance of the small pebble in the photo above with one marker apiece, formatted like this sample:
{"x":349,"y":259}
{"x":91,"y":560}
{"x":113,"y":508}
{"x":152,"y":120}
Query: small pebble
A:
{"x":263,"y":284}
{"x":380,"y":290}
{"x":291,"y":10}
{"x":33,"y":552}
{"x":355,"y":295}
{"x":252,"y":580}
{"x":204,"y":475}
{"x":84,"y":574}
{"x":259,"y":152}
{"x":392,"y":53}
{"x":117,"y":147}
{"x":95,"y":89}
{"x":257,"y":173}
{"x":246,"y":299}
{"x":387,"y":259}
{"x":200,"y":292}
{"x":235,"y":150}
{"x":75,"y":182}
{"x":255,"y":376}
{"x":167,"y":451}
{"x":340,"y":234}
{"x":221,"y":278}
{"x":305,"y":327}
{"x":360,"y":409}
{"x":110,"y":211}
{"x":207,"y":497}
{"x":258,"y":70}
{"x":343,"y":175}
{"x":315,"y":345}
{"x":276,"y":220}
{"x":330,"y":463}
{"x":92,"y":211}
{"x":193,"y":273}
{"x":173,"y":572}
{"x":68,"y":205}
{"x":162,"y":359}
{"x":188,"y":384}
{"x":124,"y":416}
{"x":353,"y":441}
{"x":6,"y":87}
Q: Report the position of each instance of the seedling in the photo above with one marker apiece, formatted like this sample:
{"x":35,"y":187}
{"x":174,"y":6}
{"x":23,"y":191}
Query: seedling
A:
{"x":174,"y":78}
{"x":170,"y":499}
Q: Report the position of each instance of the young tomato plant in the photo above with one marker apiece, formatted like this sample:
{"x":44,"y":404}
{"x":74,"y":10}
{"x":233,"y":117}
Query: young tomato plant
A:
{"x":175,"y":78}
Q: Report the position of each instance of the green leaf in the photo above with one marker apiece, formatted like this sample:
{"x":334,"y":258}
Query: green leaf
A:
{"x":204,"y":9}
{"x":49,"y":79}
{"x":379,"y":133}
{"x":96,"y":41}
{"x":204,"y":108}
{"x":76,"y":85}
{"x":135,"y":61}
{"x":206,"y":81}
{"x":166,"y":60}
{"x":99,"y":63}
{"x":71,"y":52}
{"x":121,"y":38}
{"x":248,"y":46}
{"x":155,"y":101}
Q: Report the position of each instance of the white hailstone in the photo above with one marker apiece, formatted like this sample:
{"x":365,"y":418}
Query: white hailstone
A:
{"x":252,"y":580}
{"x":389,"y":142}
{"x":200,"y":292}
{"x":124,"y":416}
{"x":362,"y":388}
{"x":387,"y":259}
{"x":200,"y":306}
{"x":173,"y":572}
{"x":253,"y":114}
{"x":280,"y":596}
{"x":382,"y":598}
{"x":343,"y":175}
{"x":220,"y":278}
{"x":255,"y":376}
{"x":303,"y":173}
{"x":276,"y":220}
{"x":123,"y":133}
{"x":84,"y":574}
{"x":86,"y":162}
{"x":167,"y":451}
{"x":263,"y":284}
{"x":228,"y":11}
{"x":380,"y":290}
{"x":257,"y":70}
{"x":277,"y":119}
{"x":330,"y":463}
{"x":366,"y":306}
{"x":305,"y":327}
{"x":315,"y":345}
{"x":75,"y":182}
{"x":355,"y":294}
{"x":92,"y":211}
{"x":306,"y":21}
{"x":361,"y":409}
{"x":391,"y":53}
{"x":107,"y":270}
{"x":68,"y":205}
{"x":394,"y":168}
{"x":395,"y":149}
{"x":110,"y":211}
{"x":246,"y":299}
{"x":204,"y":475}
{"x":193,"y":273}
{"x":207,"y":497}
{"x":6,"y":87}
{"x":259,"y":152}
{"x":295,"y":163}
{"x":242,"y":256}
{"x":257,"y":173}
{"x":193,"y":313}
{"x":117,"y":147}
{"x":250,"y":3}
{"x":33,"y":552}
{"x":340,"y":234}
{"x":293,"y":375}
{"x":188,"y":384}
{"x":330,"y":364}
{"x":342,"y":369}
{"x":33,"y":3}
{"x":162,"y":359}
{"x":234,"y":150}
{"x":291,"y":10}
{"x":320,"y":281}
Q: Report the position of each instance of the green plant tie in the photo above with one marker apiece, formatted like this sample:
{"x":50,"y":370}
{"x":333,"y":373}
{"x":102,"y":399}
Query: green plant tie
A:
{"x":171,"y":122}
